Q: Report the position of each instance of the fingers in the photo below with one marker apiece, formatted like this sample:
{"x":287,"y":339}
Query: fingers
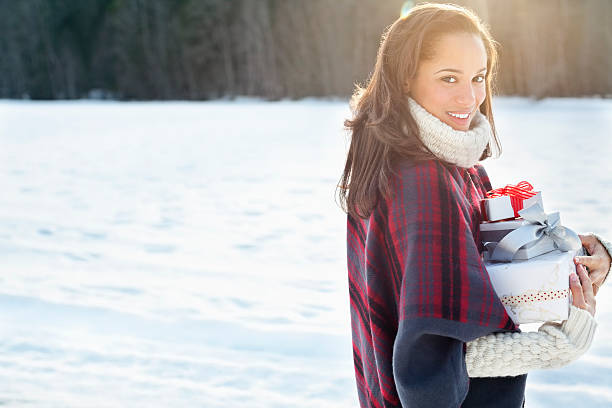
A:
{"x":582,"y":289}
{"x":587,"y":284}
{"x":598,"y":269}
{"x":590,"y":262}
{"x":577,"y":295}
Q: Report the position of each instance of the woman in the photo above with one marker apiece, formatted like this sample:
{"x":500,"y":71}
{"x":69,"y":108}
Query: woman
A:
{"x":423,"y":310}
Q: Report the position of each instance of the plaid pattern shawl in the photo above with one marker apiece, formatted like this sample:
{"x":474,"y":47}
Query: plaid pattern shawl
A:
{"x":418,"y":288}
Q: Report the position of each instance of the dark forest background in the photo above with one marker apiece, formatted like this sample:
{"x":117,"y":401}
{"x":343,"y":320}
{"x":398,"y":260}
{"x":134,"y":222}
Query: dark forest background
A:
{"x":203,"y":49}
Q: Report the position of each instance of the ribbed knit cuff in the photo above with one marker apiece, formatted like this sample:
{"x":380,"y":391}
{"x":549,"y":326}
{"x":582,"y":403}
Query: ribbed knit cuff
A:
{"x":579,"y":328}
{"x":608,"y":247}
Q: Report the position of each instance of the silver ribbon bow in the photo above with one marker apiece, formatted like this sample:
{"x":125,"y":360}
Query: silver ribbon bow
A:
{"x":541,"y":225}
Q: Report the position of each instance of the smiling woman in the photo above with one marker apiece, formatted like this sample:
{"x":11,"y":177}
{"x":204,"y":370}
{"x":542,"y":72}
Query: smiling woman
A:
{"x":428,"y":328}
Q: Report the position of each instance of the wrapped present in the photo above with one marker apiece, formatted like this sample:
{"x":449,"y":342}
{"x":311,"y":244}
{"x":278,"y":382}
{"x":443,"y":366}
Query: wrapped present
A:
{"x":496,"y":208}
{"x":534,"y":290}
{"x":493,"y":232}
{"x":505,"y":203}
{"x":536,"y":226}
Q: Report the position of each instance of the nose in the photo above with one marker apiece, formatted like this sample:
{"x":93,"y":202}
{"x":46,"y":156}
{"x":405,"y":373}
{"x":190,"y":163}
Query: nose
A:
{"x":466,"y":95}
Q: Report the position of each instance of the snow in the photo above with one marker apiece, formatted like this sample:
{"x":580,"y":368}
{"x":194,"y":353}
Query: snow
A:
{"x":192,"y":254}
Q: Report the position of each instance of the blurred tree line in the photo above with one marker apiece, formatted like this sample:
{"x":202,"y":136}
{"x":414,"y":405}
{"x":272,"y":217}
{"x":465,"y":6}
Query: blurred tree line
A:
{"x":202,"y":49}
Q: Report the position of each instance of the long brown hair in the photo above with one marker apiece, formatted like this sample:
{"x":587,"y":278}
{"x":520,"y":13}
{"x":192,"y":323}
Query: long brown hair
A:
{"x":382,"y":128}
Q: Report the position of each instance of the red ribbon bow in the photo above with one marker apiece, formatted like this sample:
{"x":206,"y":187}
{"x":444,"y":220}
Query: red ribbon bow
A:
{"x":522,"y":190}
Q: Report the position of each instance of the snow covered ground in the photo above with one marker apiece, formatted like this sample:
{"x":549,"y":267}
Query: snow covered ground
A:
{"x":191,"y":254}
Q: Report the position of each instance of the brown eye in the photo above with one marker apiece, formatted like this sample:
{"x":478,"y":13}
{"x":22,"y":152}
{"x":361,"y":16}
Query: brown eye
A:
{"x":479,"y":78}
{"x":450,"y":79}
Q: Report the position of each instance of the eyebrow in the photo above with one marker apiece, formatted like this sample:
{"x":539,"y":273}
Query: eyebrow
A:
{"x":457,"y":70}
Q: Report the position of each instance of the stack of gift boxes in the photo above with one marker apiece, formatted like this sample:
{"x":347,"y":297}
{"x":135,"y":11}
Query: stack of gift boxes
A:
{"x":529,"y":255}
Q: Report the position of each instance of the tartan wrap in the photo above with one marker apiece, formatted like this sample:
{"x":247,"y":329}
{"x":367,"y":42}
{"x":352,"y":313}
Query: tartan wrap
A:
{"x":418,"y":287}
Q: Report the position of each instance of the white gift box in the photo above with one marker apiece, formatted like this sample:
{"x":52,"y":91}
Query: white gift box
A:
{"x":534,"y":290}
{"x":497,"y":208}
{"x":500,"y":208}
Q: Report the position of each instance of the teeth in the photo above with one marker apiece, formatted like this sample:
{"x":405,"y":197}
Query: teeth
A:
{"x":460,"y":116}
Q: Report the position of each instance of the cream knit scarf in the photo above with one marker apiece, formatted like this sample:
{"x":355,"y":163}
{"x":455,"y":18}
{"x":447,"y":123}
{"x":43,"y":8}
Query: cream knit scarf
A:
{"x":461,"y":148}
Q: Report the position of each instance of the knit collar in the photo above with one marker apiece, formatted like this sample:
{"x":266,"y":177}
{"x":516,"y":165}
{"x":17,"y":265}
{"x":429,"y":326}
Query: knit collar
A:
{"x":460,"y":148}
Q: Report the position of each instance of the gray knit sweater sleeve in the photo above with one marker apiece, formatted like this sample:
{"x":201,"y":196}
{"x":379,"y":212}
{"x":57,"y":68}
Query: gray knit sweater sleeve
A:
{"x":553,"y":345}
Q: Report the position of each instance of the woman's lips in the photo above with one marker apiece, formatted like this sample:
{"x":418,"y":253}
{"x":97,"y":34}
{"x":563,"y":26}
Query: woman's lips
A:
{"x":463,"y":122}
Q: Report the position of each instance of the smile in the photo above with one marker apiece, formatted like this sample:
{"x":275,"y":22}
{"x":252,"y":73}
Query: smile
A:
{"x":459,"y":115}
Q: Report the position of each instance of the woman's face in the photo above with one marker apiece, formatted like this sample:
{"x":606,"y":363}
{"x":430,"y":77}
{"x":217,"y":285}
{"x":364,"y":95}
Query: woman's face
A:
{"x":451,"y":85}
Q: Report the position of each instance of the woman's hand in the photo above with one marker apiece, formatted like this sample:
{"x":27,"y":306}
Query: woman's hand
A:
{"x":582,"y":290}
{"x":598,"y":263}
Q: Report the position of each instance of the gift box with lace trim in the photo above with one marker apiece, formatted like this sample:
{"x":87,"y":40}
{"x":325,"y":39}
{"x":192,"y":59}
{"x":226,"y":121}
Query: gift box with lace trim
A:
{"x":534,"y":290}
